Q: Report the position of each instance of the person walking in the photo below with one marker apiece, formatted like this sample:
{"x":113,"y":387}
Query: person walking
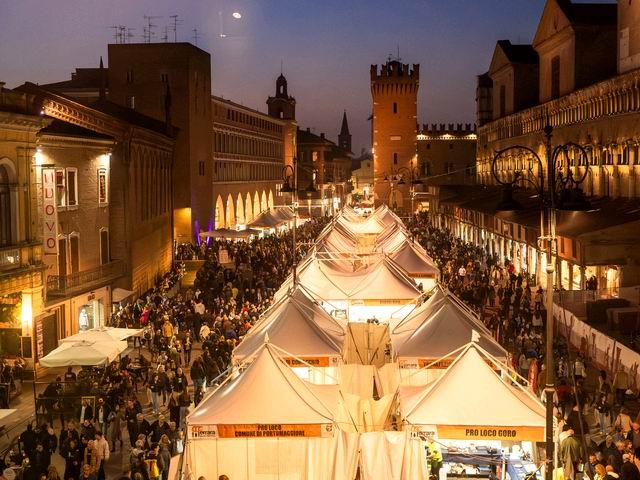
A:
{"x":621,"y":384}
{"x":571,"y":454}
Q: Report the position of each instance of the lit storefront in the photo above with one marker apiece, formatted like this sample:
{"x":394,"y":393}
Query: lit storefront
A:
{"x":11,"y":330}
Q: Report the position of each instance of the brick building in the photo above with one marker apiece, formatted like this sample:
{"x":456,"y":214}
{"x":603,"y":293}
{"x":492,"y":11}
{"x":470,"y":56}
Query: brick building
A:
{"x":394,"y":89}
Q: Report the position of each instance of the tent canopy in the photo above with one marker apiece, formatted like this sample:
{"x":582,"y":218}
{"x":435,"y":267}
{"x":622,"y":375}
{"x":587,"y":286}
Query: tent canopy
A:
{"x":298,"y":325}
{"x":378,"y":283}
{"x":439,"y":326}
{"x":414,"y":262}
{"x":471,"y":393}
{"x":272,"y":218}
{"x":249,"y":398}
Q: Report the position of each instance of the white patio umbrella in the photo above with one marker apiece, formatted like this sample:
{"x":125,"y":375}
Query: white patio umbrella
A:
{"x":103,"y":334}
{"x":83,"y":353}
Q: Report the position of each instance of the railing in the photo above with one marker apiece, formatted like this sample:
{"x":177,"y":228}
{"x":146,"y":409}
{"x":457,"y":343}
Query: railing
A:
{"x":9,"y":258}
{"x":576,"y":300}
{"x":63,"y":285}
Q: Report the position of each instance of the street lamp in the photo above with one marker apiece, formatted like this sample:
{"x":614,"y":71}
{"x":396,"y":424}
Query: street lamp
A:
{"x":398,"y":175}
{"x":290,"y":185}
{"x":562,"y":192}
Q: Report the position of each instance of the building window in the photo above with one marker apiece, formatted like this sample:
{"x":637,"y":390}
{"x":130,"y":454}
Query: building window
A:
{"x":164,"y":77}
{"x":201,"y":168}
{"x":555,"y":77}
{"x":624,"y":158}
{"x":67,"y":187}
{"x":61,"y":188}
{"x":103,"y":186}
{"x":451,"y":146}
{"x":62,"y":256}
{"x":72,"y":187}
{"x":74,"y":252}
{"x":503,"y":101}
{"x":105,"y":256}
{"x":129,"y":76}
{"x":395,"y":107}
{"x":5,"y":207}
{"x":131,"y":101}
{"x":395,"y":158}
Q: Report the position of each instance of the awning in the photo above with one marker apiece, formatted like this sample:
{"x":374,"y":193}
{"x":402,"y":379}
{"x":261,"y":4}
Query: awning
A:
{"x":120,"y":294}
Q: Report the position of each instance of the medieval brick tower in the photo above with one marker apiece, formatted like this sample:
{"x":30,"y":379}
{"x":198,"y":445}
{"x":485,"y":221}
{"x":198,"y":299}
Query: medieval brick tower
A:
{"x":395,"y":93}
{"x":283,"y":106}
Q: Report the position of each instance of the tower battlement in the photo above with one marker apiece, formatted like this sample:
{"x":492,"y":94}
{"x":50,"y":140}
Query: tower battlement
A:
{"x":395,"y":70}
{"x":450,"y":128}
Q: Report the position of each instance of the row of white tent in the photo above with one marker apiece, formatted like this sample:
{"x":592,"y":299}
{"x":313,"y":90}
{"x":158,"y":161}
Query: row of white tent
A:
{"x":266,"y":422}
{"x":319,"y":393}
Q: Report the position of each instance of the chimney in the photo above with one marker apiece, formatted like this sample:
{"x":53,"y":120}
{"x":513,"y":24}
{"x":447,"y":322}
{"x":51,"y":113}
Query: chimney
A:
{"x":322,"y":136}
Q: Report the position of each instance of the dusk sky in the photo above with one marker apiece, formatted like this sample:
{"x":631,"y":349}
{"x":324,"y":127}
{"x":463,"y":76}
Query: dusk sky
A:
{"x":325,"y":47}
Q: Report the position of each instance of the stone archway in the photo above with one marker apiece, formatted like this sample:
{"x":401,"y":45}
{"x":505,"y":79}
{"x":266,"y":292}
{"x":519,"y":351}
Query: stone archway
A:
{"x":219,"y":219}
{"x":240,"y":214}
{"x":248,"y":209}
{"x":264,"y":206}
{"x":230,"y":213}
{"x":256,"y":205}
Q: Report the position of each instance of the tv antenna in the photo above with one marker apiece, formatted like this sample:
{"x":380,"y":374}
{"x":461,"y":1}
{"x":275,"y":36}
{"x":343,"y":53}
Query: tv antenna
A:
{"x":148,"y":28}
{"x":195,"y":37}
{"x":175,"y":21}
{"x":119,"y":33}
{"x":128,"y":34}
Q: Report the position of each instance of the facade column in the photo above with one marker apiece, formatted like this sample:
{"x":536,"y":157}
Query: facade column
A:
{"x":583,"y":277}
{"x":570,"y":276}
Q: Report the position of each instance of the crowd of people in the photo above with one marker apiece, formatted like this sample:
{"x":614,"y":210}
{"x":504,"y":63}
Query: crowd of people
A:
{"x":139,"y":404}
{"x":512,"y":306}
{"x":143,"y":400}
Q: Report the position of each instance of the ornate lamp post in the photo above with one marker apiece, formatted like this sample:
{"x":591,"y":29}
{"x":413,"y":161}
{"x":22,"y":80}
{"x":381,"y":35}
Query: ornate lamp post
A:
{"x":290,"y":185}
{"x":560,"y":190}
{"x":398,"y":175}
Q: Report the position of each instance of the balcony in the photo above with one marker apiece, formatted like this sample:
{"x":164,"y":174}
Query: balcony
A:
{"x":20,"y":259}
{"x":68,"y":285}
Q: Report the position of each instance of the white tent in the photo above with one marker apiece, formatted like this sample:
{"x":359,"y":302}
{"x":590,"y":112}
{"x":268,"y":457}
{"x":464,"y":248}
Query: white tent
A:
{"x":300,"y":326}
{"x":436,"y":330}
{"x":367,"y":226}
{"x":380,"y":289}
{"x":83,"y":353}
{"x":440,"y":325}
{"x":471,"y":401}
{"x":279,"y":425}
{"x":418,"y":265}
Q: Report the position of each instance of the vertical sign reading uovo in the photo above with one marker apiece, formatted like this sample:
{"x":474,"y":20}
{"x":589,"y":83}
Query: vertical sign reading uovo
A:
{"x":49,"y":212}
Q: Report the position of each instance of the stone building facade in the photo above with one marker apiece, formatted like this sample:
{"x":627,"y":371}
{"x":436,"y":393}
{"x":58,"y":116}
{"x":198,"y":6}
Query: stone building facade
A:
{"x":100,"y":200}
{"x":248,"y":158}
{"x":590,"y":95}
{"x":21,"y":257}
